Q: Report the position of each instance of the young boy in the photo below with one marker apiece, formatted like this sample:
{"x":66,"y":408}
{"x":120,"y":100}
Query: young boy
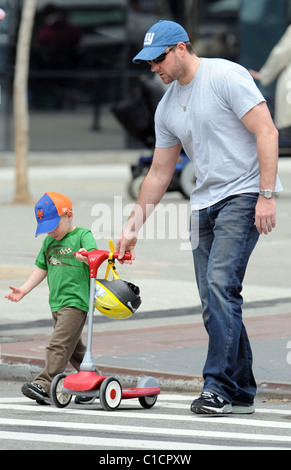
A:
{"x":68,"y":282}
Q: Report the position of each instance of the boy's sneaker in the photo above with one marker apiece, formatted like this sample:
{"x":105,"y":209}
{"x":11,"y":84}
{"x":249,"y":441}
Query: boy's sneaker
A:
{"x":35,"y":392}
{"x":210,"y":403}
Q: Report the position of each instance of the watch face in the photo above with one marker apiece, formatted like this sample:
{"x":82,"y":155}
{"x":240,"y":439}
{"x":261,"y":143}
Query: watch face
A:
{"x":267,"y":193}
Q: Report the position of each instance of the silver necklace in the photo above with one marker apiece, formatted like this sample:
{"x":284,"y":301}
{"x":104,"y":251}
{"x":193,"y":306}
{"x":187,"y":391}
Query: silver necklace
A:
{"x":184,"y":106}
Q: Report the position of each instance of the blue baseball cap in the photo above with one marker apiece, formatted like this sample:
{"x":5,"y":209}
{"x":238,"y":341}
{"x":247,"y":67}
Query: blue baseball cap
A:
{"x":162,"y":34}
{"x":48,"y":211}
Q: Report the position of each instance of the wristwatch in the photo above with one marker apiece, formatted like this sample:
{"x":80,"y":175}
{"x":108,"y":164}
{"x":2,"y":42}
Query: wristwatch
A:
{"x":267,"y":193}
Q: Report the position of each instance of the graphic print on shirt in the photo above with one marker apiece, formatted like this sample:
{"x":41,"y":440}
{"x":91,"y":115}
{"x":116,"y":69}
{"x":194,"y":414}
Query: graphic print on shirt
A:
{"x":58,"y":255}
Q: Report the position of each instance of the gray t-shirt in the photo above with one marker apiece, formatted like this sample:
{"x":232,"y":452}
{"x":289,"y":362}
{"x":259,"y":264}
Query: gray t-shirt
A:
{"x":211,"y":132}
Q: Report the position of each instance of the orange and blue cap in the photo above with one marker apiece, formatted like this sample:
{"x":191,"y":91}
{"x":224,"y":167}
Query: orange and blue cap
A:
{"x":48,"y":211}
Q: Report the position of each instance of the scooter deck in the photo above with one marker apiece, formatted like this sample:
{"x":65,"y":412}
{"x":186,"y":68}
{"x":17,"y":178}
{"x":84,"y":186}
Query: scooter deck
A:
{"x":139,"y":392}
{"x":87,"y":381}
{"x":83,"y":381}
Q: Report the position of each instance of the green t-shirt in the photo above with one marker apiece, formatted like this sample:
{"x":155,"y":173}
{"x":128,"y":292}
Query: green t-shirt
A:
{"x":68,"y":278}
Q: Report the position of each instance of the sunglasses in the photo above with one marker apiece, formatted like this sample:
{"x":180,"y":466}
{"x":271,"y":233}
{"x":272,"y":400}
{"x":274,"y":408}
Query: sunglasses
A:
{"x":161,"y":57}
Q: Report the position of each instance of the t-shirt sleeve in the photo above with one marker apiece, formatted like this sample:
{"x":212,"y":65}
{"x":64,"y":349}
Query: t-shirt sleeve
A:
{"x":164,"y":138}
{"x":240,"y":91}
{"x":40,"y":261}
{"x":88,"y":241}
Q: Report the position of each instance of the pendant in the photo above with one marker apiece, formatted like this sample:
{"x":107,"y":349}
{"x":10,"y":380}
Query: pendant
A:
{"x":185,"y":108}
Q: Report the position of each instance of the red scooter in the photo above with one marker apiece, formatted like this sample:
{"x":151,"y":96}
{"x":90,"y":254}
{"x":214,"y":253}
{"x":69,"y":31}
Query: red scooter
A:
{"x":87,"y":383}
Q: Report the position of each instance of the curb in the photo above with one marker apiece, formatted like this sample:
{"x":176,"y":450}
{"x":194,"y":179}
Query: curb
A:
{"x":275,"y":390}
{"x":16,"y":368}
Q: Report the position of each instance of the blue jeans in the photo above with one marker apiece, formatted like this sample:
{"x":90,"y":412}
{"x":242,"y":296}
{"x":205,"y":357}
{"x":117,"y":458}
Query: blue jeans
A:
{"x":227,"y":237}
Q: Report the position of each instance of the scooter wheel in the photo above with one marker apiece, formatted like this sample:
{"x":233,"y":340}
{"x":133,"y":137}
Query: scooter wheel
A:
{"x":148,"y":401}
{"x":110,"y":394}
{"x":59,"y":399}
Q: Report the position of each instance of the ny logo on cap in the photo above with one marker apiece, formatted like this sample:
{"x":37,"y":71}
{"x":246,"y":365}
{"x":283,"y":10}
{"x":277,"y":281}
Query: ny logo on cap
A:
{"x":149,"y":37}
{"x":40,"y":214}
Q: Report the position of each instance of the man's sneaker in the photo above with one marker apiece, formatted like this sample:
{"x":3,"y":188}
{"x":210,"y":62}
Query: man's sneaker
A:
{"x":243,"y":408}
{"x":35,"y":392}
{"x":210,"y":403}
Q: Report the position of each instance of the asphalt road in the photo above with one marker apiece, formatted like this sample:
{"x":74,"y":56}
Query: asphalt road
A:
{"x":168,"y":429}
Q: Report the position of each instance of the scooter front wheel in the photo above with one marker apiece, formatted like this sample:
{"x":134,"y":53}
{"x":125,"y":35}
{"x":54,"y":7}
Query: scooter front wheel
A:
{"x":59,"y":399}
{"x":149,"y":400}
{"x":110,"y":394}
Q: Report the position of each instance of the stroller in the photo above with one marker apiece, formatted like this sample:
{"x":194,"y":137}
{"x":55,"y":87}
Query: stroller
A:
{"x":136,"y":114}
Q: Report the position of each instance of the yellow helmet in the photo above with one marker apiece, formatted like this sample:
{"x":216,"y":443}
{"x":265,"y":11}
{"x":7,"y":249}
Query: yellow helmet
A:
{"x":116,"y":299}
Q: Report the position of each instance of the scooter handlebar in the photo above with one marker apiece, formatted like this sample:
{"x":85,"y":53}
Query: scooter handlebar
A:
{"x":96,"y":258}
{"x":127,"y":256}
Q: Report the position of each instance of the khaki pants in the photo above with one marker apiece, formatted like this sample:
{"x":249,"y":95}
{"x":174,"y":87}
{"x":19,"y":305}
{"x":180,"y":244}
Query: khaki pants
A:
{"x":65,"y":345}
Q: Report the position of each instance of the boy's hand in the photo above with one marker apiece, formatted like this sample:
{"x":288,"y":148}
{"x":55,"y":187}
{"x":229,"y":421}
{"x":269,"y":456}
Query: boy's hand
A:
{"x":15,"y":295}
{"x":83,"y":259}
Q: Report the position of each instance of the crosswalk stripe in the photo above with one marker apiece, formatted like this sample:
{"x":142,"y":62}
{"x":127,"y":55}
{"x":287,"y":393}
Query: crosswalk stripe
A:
{"x":150,"y":415}
{"x":119,"y":443}
{"x":123,"y":443}
{"x":139,"y":444}
{"x":142,"y":435}
{"x":164,"y":401}
{"x":98,"y":441}
{"x":144,"y":430}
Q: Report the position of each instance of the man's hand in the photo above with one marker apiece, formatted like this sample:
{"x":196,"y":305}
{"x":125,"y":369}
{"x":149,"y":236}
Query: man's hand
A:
{"x":265,"y":219}
{"x":126,"y":244}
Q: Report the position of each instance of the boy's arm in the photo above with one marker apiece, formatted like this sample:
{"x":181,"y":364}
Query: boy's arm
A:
{"x":89,"y":242}
{"x":34,"y":279}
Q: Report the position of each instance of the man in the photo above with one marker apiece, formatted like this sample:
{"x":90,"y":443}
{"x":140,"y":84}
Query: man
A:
{"x":213,"y":110}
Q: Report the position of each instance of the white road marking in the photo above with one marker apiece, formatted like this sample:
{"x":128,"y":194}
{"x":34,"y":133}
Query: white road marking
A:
{"x":145,"y":429}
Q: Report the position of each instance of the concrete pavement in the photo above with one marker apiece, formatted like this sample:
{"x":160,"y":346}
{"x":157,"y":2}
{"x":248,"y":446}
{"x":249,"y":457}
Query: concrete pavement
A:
{"x":166,"y":337}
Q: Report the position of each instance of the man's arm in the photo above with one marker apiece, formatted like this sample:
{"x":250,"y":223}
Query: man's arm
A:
{"x":152,"y":191}
{"x":258,"y":120}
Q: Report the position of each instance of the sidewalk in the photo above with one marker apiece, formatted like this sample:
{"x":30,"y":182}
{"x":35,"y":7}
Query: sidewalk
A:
{"x":174,"y":353}
{"x":166,"y":337}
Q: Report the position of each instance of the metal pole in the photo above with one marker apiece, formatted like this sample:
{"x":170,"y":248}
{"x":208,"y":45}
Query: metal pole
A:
{"x":87,"y":363}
